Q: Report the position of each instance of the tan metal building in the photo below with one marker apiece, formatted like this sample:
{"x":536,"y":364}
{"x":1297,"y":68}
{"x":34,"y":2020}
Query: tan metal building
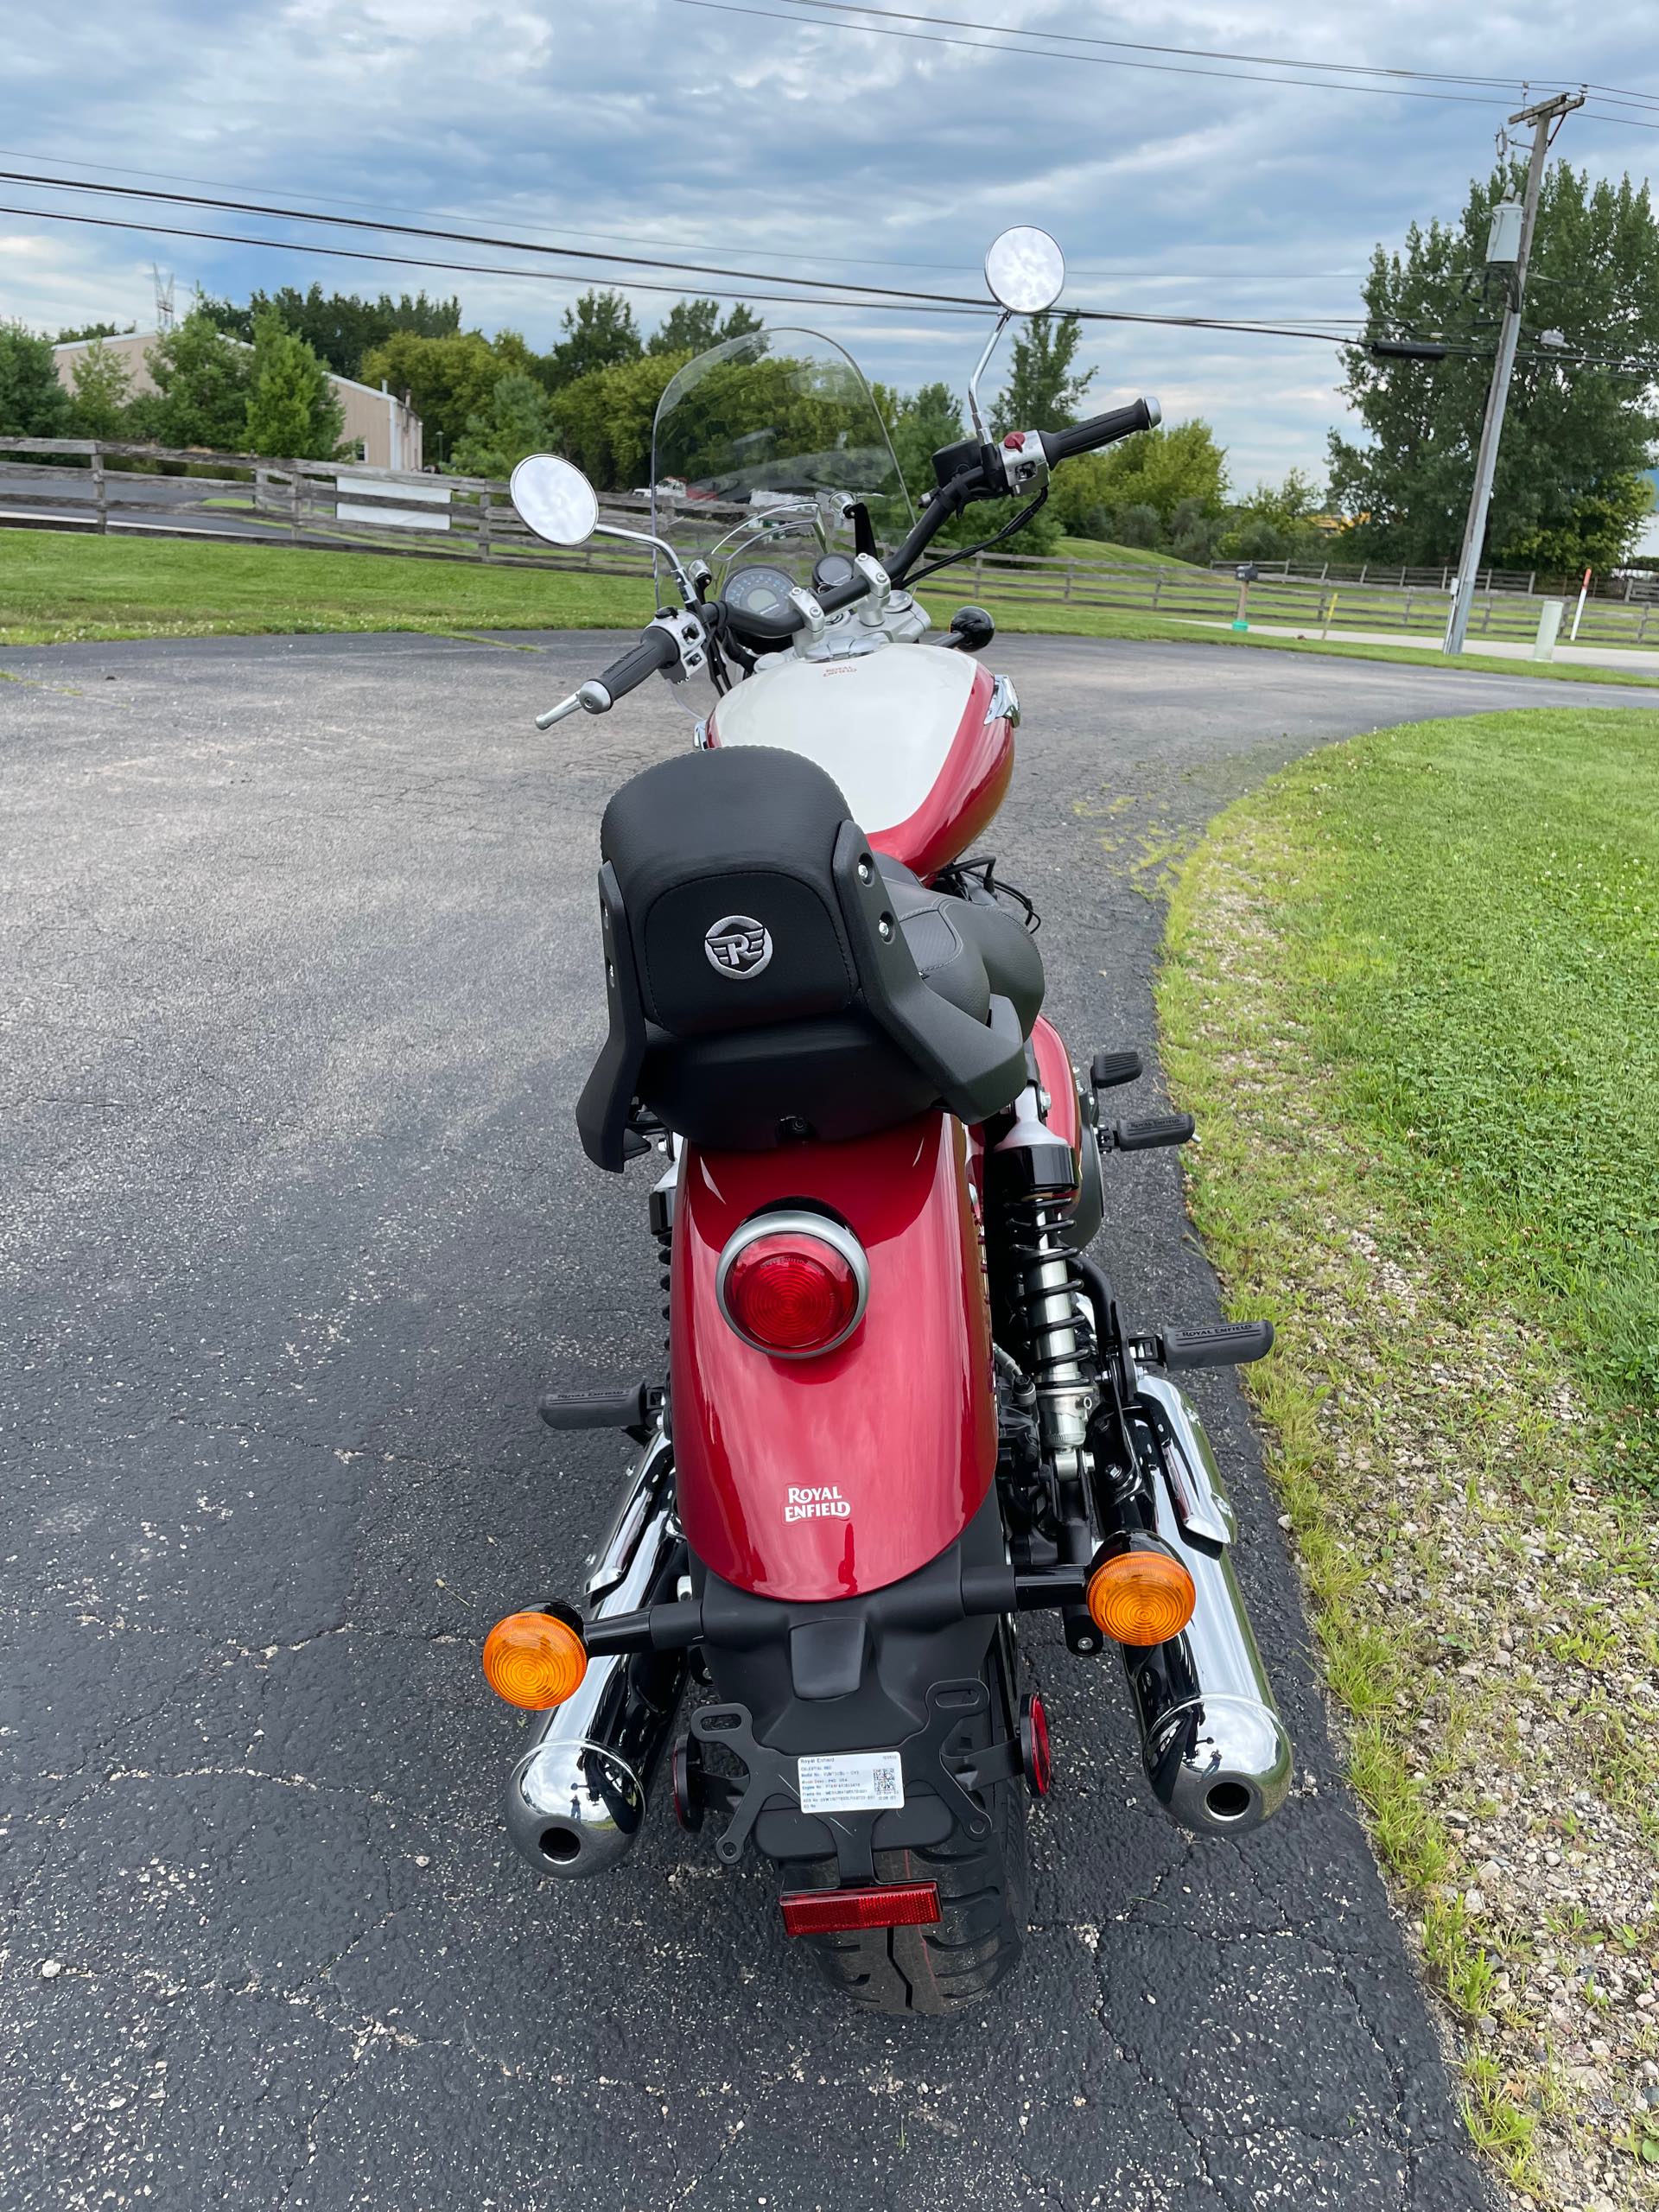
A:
{"x":385,"y":431}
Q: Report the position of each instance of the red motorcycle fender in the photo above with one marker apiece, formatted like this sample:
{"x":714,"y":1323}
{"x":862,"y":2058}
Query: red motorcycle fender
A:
{"x":818,"y":1478}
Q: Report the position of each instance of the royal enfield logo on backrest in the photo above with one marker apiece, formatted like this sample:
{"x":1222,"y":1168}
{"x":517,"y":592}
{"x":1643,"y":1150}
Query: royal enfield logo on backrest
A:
{"x":738,"y":945}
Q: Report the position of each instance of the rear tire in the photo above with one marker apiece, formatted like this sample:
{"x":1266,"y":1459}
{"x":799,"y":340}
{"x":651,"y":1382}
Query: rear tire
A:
{"x":975,"y":1944}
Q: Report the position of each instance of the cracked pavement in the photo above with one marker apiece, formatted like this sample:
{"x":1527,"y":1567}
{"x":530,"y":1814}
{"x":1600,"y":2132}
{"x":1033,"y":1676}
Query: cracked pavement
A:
{"x":302,"y":982}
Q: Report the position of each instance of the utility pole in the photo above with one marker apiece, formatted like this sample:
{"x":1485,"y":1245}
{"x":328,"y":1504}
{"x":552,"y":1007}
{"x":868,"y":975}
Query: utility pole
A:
{"x":1474,"y":536}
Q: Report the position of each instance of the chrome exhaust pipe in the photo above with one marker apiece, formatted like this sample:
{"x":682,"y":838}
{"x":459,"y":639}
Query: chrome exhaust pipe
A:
{"x":577,"y":1797}
{"x":1214,"y":1748}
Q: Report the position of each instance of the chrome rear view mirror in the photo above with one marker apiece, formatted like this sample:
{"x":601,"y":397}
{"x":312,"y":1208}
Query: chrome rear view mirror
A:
{"x":554,"y":499}
{"x":1025,"y":270}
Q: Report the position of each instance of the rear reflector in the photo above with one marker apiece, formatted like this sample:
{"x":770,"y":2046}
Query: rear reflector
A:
{"x":829,"y":1912}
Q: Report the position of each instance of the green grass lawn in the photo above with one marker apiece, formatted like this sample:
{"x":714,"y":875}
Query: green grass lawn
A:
{"x":56,"y":588}
{"x":1131,"y":556}
{"x":59,"y":587}
{"x":1411,"y":996}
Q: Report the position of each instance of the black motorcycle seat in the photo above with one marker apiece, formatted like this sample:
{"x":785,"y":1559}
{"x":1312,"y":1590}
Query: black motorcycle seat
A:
{"x":772,"y":978}
{"x":968,"y":953}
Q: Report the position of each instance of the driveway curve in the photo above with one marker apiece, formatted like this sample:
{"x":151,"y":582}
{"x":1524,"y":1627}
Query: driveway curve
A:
{"x":303,"y":981}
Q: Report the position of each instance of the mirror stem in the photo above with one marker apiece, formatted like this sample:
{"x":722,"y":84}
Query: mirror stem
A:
{"x":1002,"y":321}
{"x":688,"y":590}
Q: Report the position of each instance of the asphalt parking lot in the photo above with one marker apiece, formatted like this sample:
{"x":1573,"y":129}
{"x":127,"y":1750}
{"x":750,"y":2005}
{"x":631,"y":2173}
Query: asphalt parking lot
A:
{"x":300,"y":983}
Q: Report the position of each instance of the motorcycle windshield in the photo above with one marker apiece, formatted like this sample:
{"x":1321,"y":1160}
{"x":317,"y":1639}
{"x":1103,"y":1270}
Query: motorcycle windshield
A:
{"x":759,"y":446}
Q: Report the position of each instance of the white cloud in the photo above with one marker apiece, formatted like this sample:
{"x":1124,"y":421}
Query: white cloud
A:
{"x":736,"y":138}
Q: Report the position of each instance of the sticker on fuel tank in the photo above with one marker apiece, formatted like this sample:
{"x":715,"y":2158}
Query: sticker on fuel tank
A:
{"x":852,"y":1781}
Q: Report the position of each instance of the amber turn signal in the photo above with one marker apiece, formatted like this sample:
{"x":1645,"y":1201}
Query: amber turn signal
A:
{"x":535,"y":1660}
{"x":1141,"y":1597}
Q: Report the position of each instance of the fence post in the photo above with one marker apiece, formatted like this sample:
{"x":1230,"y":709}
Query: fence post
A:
{"x":1363,"y":566}
{"x":1405,"y":621}
{"x":99,"y":491}
{"x":296,"y":499}
{"x":484,"y":526}
{"x":1070,"y":570}
{"x":1157,"y":585}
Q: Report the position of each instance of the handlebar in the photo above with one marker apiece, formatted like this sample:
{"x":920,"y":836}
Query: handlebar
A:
{"x":1100,"y":430}
{"x":984,"y":477}
{"x":765,"y":629}
{"x":655,"y":650}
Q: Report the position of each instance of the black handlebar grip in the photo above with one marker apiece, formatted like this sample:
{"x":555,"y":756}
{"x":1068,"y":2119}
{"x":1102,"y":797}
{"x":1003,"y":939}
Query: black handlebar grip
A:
{"x":655,"y":650}
{"x":1100,"y":430}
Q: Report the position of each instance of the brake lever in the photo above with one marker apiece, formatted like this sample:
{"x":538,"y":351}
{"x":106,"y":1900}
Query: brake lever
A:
{"x":591,"y":697}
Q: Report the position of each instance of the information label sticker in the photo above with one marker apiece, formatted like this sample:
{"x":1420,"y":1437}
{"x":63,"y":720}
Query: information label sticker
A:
{"x":852,"y":1781}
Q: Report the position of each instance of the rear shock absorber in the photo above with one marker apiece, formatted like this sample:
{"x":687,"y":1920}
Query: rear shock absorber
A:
{"x":1033,"y":1175}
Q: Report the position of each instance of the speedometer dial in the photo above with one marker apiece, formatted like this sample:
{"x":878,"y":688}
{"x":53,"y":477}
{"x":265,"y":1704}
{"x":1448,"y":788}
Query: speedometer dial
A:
{"x":758,"y":590}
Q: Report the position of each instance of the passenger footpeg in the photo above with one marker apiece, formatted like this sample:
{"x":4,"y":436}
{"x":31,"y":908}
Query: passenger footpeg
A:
{"x":632,"y":1407}
{"x":1108,"y":1070}
{"x":1228,"y":1343}
{"x":1142,"y":1136}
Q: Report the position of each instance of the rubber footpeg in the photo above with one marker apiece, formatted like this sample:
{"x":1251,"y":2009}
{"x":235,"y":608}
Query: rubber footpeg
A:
{"x":1162,"y":1128}
{"x":1228,"y":1343}
{"x":1108,"y":1070}
{"x":627,"y":1408}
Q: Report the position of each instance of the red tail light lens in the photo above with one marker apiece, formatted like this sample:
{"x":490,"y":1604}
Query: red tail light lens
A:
{"x":829,"y":1912}
{"x":793,"y":1288}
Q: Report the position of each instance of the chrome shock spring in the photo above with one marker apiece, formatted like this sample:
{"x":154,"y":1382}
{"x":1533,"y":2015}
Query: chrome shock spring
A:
{"x":1052,"y":1309}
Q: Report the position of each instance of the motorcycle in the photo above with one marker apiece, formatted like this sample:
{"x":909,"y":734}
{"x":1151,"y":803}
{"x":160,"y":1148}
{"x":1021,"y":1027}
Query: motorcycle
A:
{"x":902,"y":1406}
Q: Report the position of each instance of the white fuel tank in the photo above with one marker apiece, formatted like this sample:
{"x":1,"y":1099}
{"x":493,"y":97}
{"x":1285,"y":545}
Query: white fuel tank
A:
{"x":904,"y":732}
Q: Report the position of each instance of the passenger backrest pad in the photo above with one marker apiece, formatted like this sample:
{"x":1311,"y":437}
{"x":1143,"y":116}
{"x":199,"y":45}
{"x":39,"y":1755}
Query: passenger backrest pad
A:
{"x":723,"y":863}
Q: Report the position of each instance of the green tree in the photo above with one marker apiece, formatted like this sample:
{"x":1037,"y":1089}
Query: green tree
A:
{"x":339,"y":328}
{"x":920,"y":425}
{"x":1275,"y":523}
{"x":103,"y":392}
{"x":600,"y":332}
{"x":689,"y":326}
{"x":1044,"y":388}
{"x":291,"y":407}
{"x":603,"y":421}
{"x":693,"y":326}
{"x":1162,"y":469}
{"x":86,"y":330}
{"x":516,"y":422}
{"x":203,"y":379}
{"x":1576,"y":433}
{"x":447,"y":380}
{"x":33,"y":403}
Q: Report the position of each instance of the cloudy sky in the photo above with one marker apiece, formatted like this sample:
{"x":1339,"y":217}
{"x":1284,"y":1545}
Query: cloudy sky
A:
{"x":806,"y":146}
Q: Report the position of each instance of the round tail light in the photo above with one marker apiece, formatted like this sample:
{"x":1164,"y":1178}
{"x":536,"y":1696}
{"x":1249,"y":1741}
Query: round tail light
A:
{"x":793,"y":1285}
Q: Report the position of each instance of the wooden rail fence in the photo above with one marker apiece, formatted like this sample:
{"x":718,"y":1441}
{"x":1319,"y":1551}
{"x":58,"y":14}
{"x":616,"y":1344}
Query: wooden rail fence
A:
{"x":228,"y":499}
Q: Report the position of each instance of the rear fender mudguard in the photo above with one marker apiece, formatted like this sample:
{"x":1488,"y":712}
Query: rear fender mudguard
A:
{"x":823,"y":1478}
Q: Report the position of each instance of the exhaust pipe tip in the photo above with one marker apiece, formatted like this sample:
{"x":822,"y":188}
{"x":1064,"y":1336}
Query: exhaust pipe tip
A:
{"x":573,"y":1808}
{"x":1220,"y":1765}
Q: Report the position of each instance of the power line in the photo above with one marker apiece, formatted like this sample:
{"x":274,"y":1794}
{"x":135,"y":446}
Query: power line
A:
{"x":453,"y":237}
{"x":925,"y":302}
{"x":886,"y":294}
{"x":1143,"y":46}
{"x":1000,"y":33}
{"x":1096,"y":61}
{"x":1163,"y":273}
{"x":937,"y":306}
{"x":1620,"y":94}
